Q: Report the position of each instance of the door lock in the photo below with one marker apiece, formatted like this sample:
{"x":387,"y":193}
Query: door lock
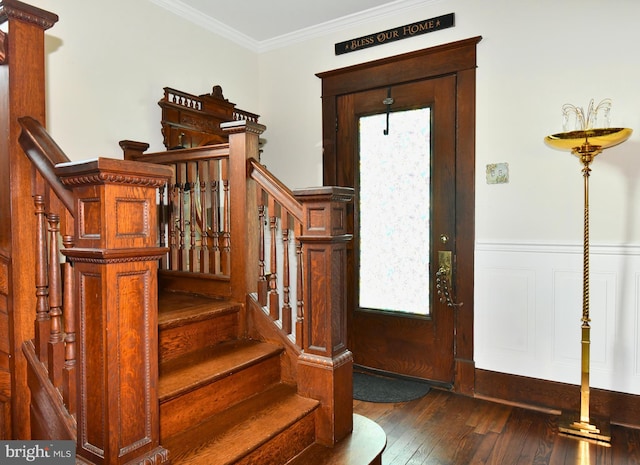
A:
{"x":443,"y":279}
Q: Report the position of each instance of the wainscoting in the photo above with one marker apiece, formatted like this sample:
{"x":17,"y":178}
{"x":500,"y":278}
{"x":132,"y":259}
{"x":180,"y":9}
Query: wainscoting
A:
{"x":528,"y":306}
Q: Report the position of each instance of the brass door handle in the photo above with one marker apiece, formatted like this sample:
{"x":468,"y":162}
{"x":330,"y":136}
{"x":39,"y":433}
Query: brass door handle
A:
{"x":443,"y":279}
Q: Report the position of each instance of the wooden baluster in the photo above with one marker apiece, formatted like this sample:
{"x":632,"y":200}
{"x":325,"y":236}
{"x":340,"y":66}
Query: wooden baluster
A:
{"x":43,"y":321}
{"x":225,"y":264}
{"x":174,"y":199}
{"x":274,"y":300}
{"x":262,"y":279}
{"x":205,"y":205}
{"x":180,"y":226}
{"x":182,"y":186}
{"x":214,"y":177}
{"x":192,"y":177}
{"x":286,"y":307}
{"x":162,"y":220}
{"x":56,"y":338}
{"x":69,"y":386}
{"x":299,"y":292}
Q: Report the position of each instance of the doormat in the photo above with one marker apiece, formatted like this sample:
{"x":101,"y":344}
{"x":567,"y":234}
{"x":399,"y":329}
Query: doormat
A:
{"x":369,"y":387}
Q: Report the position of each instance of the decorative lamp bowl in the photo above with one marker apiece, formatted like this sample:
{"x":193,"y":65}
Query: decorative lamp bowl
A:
{"x":603,"y":138}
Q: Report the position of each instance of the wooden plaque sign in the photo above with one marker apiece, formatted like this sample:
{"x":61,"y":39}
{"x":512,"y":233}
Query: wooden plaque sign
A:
{"x":397,"y":33}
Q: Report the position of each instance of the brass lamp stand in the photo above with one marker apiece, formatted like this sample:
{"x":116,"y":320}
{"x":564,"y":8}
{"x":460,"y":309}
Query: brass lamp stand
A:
{"x":586,"y":144}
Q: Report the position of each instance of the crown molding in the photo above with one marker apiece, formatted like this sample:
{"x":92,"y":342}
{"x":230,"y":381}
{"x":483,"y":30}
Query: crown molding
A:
{"x":179,"y":8}
{"x":207,"y":22}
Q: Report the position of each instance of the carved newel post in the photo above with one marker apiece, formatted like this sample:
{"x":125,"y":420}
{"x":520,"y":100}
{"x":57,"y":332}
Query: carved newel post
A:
{"x":115,"y":266}
{"x":325,"y":367}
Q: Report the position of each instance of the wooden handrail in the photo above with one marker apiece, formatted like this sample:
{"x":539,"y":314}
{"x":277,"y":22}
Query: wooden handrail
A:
{"x":205,"y":152}
{"x":44,"y":153}
{"x":281,"y":193}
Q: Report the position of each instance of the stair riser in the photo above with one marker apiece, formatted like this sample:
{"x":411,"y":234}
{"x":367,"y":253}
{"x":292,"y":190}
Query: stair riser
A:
{"x":191,"y":408}
{"x":285,"y":445}
{"x":181,"y":340}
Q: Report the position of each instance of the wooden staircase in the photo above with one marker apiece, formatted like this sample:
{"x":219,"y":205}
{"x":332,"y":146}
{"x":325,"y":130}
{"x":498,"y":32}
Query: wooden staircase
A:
{"x":222,"y":400}
{"x":242,"y":356}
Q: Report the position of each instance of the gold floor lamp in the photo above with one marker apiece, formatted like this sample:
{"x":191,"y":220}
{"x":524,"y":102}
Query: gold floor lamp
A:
{"x":586,"y":143}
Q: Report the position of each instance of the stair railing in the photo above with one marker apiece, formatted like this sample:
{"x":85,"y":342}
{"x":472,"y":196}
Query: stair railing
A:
{"x":315,"y":220}
{"x":281,"y":251}
{"x":280,"y":268}
{"x":193,"y":212}
{"x":55,"y":211}
{"x":99,"y":342}
{"x":101,"y":311}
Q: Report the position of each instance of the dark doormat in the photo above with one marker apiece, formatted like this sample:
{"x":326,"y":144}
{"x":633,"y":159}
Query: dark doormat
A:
{"x":370,"y":387}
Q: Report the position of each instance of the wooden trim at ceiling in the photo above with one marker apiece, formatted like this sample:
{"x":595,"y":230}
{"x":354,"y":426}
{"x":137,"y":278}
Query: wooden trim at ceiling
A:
{"x":620,"y":408}
{"x":420,"y":64}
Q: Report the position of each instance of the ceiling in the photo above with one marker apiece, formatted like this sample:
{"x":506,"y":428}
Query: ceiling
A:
{"x":265,"y":24}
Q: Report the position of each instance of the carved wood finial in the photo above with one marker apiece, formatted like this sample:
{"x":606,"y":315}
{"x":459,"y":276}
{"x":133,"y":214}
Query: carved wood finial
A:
{"x":216,"y":92}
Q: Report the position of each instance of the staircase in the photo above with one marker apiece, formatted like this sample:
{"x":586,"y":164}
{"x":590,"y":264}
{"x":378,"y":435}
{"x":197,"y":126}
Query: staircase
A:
{"x":221,"y":398}
{"x":242,"y":356}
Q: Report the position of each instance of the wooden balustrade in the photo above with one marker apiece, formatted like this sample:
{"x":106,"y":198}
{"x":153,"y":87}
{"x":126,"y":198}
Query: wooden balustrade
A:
{"x":193,"y":215}
{"x":93,"y":309}
{"x":110,"y":289}
{"x":279,"y":257}
{"x":54,"y":330}
{"x":316,"y":220}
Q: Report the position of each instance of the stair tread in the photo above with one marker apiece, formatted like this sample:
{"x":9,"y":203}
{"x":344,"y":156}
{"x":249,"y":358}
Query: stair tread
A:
{"x":188,"y":372}
{"x":364,"y":446}
{"x":230,"y":435}
{"x":176,"y":308}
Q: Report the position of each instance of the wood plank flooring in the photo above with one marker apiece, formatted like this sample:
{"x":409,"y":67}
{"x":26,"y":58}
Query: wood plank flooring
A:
{"x":448,"y":429}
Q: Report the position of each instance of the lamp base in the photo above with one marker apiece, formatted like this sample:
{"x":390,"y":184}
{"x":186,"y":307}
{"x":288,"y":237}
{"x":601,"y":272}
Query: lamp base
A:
{"x":570,"y":425}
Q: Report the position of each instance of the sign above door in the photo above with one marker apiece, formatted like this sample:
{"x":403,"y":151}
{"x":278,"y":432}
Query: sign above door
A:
{"x":397,"y":33}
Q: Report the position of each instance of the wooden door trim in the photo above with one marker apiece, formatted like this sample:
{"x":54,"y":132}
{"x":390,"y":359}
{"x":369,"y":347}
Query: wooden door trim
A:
{"x":459,"y":59}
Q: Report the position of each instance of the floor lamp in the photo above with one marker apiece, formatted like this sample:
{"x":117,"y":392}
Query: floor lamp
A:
{"x":586,"y":144}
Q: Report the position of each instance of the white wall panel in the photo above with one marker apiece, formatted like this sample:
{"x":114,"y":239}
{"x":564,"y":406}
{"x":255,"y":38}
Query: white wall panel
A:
{"x":528,"y":310}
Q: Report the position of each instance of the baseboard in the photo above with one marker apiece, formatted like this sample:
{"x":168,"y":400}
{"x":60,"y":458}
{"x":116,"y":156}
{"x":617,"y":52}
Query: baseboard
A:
{"x":620,"y":408}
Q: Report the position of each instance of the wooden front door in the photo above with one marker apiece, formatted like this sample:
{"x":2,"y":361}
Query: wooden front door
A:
{"x":398,"y":153}
{"x":427,"y":338}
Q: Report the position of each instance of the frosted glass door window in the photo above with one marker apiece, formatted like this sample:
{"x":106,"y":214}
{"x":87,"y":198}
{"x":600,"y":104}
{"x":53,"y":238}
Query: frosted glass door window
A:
{"x":394,"y":211}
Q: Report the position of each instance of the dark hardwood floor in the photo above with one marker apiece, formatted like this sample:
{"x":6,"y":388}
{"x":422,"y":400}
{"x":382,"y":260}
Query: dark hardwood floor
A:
{"x":448,"y":429}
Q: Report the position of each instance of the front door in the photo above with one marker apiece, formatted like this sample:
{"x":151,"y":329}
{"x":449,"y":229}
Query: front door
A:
{"x":398,"y":153}
{"x":425,"y":338}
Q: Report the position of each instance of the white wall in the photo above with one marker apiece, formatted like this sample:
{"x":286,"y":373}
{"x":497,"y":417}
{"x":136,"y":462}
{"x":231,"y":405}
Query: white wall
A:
{"x":534,"y":57}
{"x":110,"y":60}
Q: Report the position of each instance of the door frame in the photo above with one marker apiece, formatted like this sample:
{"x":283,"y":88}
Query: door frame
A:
{"x":459,"y":59}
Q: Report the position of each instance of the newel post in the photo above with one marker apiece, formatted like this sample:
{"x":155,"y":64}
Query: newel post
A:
{"x":22,"y":87}
{"x":243,"y":218}
{"x":325,"y":367}
{"x":115,"y":265}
